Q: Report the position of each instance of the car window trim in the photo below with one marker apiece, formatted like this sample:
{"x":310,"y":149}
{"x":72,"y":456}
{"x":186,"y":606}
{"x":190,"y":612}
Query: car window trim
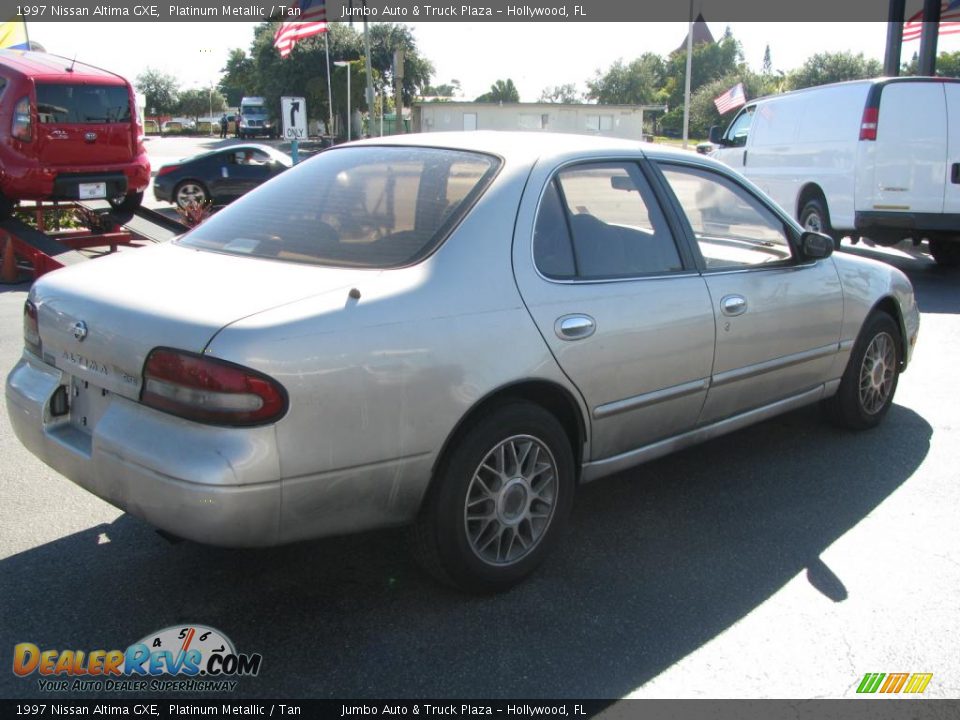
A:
{"x":687,"y":260}
{"x":790,"y":232}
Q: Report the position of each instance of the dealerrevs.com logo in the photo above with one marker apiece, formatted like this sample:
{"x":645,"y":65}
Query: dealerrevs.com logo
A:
{"x":188,"y":658}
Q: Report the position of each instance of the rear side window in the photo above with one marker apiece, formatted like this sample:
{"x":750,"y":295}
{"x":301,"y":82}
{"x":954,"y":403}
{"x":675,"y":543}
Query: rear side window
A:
{"x":602,"y":221}
{"x":367,"y":207}
{"x":69,"y":103}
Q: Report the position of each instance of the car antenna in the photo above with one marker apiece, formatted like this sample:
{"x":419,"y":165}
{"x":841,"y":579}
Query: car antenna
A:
{"x":72,"y":63}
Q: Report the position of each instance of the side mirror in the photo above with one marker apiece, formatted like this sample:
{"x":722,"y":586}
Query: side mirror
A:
{"x":816,"y":246}
{"x":716,"y":135}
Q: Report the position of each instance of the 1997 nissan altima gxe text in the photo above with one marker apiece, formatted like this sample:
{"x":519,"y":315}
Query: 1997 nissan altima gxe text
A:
{"x":451,"y":331}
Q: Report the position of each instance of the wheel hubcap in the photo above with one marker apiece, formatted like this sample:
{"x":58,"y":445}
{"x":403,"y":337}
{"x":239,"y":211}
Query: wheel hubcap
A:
{"x":876,"y":373}
{"x":813,"y":223}
{"x":190,"y":193}
{"x":510,"y":500}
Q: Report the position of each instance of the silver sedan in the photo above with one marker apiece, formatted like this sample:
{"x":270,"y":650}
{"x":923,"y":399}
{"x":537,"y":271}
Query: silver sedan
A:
{"x":447,"y":331}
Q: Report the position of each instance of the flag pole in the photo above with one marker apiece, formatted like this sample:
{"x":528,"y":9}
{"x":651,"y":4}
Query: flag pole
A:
{"x":686,"y":82}
{"x":326,"y":47}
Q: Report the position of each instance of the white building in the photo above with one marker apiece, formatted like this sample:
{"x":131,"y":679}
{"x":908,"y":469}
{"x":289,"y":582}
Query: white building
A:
{"x":620,"y":121}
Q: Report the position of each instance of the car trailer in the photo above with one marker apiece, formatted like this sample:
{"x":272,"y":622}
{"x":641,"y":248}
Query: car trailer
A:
{"x":48,"y":246}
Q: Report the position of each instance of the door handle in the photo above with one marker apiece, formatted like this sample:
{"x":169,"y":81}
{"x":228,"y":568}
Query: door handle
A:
{"x":733,"y":305}
{"x":744,"y":158}
{"x":575,"y":327}
{"x":955,"y":174}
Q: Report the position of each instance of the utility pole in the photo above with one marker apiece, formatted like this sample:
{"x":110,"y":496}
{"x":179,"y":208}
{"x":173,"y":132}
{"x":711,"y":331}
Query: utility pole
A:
{"x":398,"y":89}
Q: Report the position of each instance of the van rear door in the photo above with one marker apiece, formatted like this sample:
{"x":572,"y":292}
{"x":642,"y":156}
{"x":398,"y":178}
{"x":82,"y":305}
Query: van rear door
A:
{"x":911,"y":148}
{"x":83,"y":123}
{"x":951,"y":193}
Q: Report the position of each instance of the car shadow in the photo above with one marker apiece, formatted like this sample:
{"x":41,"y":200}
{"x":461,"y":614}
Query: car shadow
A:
{"x":657,"y":561}
{"x":935,"y":287}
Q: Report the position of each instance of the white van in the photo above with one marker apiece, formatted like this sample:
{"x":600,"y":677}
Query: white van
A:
{"x":876,"y":158}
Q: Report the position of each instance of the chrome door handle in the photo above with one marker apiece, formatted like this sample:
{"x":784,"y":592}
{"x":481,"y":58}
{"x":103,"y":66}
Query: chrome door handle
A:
{"x":575,"y":327}
{"x":733,"y":305}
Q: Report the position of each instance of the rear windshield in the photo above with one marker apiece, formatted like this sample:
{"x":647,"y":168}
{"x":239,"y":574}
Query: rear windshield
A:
{"x":62,"y":104}
{"x":368,"y":207}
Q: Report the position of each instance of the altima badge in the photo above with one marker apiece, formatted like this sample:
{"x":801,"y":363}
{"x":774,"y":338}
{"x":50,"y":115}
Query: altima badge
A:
{"x":79,"y":330}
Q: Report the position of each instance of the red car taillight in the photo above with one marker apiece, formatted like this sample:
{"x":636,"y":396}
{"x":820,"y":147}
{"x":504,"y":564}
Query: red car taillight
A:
{"x":22,"y":127}
{"x":868,"y":124}
{"x":210,"y":391}
{"x":31,"y":329}
{"x":167,"y":169}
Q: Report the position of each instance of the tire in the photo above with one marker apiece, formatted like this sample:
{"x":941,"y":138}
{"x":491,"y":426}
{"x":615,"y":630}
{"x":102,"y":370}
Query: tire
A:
{"x":6,"y":207}
{"x":501,"y":497}
{"x":870,"y":381}
{"x":187,"y":190}
{"x":946,"y":253}
{"x":128,"y":203}
{"x":815,"y":216}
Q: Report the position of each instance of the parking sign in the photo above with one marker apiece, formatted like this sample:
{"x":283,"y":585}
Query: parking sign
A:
{"x":294,"y":112}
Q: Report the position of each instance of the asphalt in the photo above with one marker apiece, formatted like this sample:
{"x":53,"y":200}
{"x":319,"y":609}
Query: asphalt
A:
{"x":786,"y":561}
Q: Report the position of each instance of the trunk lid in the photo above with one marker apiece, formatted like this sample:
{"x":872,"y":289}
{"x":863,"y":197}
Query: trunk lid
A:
{"x":99,"y":320}
{"x":84,"y":123}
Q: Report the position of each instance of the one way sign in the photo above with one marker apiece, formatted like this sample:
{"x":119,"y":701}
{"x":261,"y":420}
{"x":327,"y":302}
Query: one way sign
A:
{"x":294,"y":112}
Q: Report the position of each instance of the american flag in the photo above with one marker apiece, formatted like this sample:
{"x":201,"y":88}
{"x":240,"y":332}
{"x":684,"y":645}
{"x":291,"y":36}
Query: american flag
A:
{"x":312,"y":21}
{"x":949,"y":10}
{"x":732,"y":98}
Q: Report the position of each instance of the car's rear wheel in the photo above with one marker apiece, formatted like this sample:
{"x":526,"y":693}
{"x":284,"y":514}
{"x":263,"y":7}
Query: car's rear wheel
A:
{"x":501,"y":497}
{"x":127,"y":203}
{"x":870,"y":380}
{"x":945,"y":252}
{"x":189,"y":191}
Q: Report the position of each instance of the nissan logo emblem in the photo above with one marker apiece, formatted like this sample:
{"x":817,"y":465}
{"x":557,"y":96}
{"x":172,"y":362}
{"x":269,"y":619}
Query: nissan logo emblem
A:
{"x":79,"y":330}
{"x":90,"y":136}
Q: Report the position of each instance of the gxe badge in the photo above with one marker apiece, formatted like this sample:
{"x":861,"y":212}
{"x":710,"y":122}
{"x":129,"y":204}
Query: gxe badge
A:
{"x":79,"y":330}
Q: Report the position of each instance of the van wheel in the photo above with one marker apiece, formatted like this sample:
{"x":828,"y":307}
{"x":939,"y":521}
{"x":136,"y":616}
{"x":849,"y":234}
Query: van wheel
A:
{"x":946,"y":252}
{"x":815,"y":217}
{"x":870,"y":380}
{"x":128,"y":203}
{"x":501,"y":498}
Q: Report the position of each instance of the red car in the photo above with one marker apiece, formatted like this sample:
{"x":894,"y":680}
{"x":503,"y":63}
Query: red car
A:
{"x":68,"y":131}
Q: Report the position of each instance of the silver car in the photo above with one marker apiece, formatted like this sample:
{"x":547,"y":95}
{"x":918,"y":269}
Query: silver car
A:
{"x":448,"y":331}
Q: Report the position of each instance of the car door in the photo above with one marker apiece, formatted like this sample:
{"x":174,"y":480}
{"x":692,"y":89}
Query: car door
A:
{"x":617,"y":300}
{"x":251,"y":170}
{"x":778,"y":318}
{"x":733,"y":149}
{"x":951,"y":193}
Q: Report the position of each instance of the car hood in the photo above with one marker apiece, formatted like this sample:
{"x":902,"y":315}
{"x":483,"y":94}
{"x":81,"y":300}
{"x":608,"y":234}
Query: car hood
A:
{"x":99,"y":320}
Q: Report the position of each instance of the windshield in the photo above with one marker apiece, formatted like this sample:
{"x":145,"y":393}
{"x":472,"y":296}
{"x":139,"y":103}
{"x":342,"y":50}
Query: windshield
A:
{"x":253,"y":110}
{"x":62,"y":103}
{"x":368,"y":207}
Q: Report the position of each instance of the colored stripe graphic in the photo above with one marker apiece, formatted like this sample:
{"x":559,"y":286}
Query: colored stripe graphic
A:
{"x":870,"y":682}
{"x":895,"y":682}
{"x":918,"y":682}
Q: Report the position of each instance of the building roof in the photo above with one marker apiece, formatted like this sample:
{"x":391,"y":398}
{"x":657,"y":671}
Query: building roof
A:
{"x":701,"y":34}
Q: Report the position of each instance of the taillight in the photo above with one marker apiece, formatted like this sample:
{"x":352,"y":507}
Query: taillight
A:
{"x":208,"y":390}
{"x":167,"y":169}
{"x":31,"y":329}
{"x":22,"y":127}
{"x":868,"y":124}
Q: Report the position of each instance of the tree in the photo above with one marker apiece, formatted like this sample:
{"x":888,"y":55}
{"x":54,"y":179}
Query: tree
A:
{"x":824,"y":68}
{"x":239,"y":78}
{"x":948,"y":65}
{"x":561,"y":94}
{"x":160,"y":89}
{"x":446,"y":90}
{"x":767,"y":67}
{"x":638,"y":83}
{"x":198,"y":101}
{"x":502,"y":91}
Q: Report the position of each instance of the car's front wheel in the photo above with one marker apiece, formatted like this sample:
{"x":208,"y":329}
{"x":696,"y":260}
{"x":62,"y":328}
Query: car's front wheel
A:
{"x":190,"y":191}
{"x":501,"y":496}
{"x":870,"y":380}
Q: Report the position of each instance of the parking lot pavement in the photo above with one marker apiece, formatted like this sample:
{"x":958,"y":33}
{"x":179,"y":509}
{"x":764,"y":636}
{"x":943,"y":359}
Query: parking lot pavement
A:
{"x":784,"y":560}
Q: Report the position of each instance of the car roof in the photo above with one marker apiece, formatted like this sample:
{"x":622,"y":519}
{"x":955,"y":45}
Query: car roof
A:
{"x":531,"y":147}
{"x":40,"y":64}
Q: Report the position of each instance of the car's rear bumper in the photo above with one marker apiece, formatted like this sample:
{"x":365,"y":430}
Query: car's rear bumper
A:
{"x":34,"y":182}
{"x":218,"y":486}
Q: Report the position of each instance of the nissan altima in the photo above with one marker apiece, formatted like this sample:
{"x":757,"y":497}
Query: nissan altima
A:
{"x":449,"y":332}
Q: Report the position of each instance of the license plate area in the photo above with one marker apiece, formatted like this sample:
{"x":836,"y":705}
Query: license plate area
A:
{"x":87,"y":404}
{"x":93,"y":191}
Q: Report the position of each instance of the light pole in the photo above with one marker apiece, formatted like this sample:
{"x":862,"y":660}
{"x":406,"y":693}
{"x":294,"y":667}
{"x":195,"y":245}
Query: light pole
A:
{"x":210,"y":106}
{"x":346,"y":64}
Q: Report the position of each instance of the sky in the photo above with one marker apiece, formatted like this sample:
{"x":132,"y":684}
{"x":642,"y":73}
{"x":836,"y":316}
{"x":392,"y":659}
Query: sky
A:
{"x":534,"y":55}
